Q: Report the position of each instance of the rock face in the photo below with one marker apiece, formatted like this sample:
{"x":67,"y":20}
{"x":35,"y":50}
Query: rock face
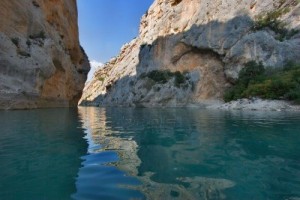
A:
{"x":207,"y":41}
{"x":257,"y":104}
{"x":41,"y":61}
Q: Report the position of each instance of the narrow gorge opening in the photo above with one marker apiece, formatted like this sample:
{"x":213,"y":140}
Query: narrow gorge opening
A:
{"x":195,"y":99}
{"x":105,"y":26}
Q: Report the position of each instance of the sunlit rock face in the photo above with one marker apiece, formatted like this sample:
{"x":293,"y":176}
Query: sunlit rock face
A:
{"x":207,"y":41}
{"x":41,"y":61}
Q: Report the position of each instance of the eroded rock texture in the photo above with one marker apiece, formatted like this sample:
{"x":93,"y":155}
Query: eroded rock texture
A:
{"x":41,"y":61}
{"x":207,"y":41}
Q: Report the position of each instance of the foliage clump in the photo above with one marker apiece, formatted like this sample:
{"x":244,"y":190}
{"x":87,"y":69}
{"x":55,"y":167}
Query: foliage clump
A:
{"x":35,"y":4}
{"x":179,"y":78}
{"x":24,"y":54}
{"x":256,"y":81}
{"x":175,"y":2}
{"x":101,"y":79}
{"x":163,"y":76}
{"x":16,"y":41}
{"x":271,"y":20}
{"x":159,"y":76}
{"x":28,"y":43}
{"x":40,"y":35}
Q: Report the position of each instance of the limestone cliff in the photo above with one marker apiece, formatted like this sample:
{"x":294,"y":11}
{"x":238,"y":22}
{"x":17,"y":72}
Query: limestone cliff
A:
{"x":41,"y":61}
{"x":207,"y":41}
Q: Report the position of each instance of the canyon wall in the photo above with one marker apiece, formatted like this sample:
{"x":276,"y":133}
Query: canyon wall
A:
{"x":191,"y":51}
{"x":41,"y":61}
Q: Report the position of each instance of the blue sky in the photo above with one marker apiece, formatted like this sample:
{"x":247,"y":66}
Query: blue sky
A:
{"x":105,"y":25}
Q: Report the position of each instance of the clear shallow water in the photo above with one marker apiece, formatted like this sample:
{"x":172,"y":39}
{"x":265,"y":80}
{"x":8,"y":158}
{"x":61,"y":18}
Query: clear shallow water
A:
{"x":97,"y":153}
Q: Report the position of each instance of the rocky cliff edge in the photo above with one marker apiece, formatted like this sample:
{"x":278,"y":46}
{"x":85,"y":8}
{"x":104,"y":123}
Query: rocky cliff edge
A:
{"x":191,"y":51}
{"x":41,"y":61}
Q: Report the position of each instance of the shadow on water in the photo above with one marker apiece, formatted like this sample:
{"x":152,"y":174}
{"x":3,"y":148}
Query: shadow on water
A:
{"x":196,"y":154}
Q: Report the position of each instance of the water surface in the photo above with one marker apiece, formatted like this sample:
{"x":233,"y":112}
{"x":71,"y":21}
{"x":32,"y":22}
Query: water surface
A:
{"x":40,"y":153}
{"x":123,"y":153}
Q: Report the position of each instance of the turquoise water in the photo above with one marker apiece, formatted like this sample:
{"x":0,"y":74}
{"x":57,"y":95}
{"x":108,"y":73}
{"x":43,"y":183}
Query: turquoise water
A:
{"x":98,"y":153}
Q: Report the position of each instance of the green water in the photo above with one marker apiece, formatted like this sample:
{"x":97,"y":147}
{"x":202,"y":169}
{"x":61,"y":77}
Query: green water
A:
{"x":118,"y":153}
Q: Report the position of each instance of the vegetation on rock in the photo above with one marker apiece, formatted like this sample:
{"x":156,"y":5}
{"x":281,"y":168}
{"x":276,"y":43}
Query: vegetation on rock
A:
{"x":163,"y":76}
{"x":175,"y":2}
{"x":101,"y":79}
{"x":40,"y":35}
{"x":15,"y":41}
{"x":257,"y":81}
{"x":28,"y":43}
{"x":24,"y":54}
{"x":271,"y":20}
{"x":35,"y":4}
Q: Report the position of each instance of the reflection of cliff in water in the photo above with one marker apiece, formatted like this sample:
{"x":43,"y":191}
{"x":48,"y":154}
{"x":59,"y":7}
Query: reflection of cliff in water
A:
{"x":153,"y":144}
{"x":199,"y":154}
{"x":166,"y":137}
{"x":171,"y":142}
{"x":103,"y":136}
{"x":100,"y":177}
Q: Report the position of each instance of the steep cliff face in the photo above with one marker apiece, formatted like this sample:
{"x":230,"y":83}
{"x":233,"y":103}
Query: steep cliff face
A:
{"x":41,"y":61}
{"x":208,"y":42}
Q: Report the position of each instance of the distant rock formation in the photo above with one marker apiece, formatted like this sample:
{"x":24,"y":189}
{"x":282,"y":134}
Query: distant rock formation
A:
{"x":41,"y":61}
{"x":207,"y":42}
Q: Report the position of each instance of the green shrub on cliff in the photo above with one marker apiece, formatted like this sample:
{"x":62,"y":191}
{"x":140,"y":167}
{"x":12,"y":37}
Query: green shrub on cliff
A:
{"x":15,"y":41}
{"x":255,"y":81}
{"x":179,"y":78}
{"x":163,"y":76}
{"x":271,"y":20}
{"x":175,"y":2}
{"x":40,"y":35}
{"x":160,"y":76}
